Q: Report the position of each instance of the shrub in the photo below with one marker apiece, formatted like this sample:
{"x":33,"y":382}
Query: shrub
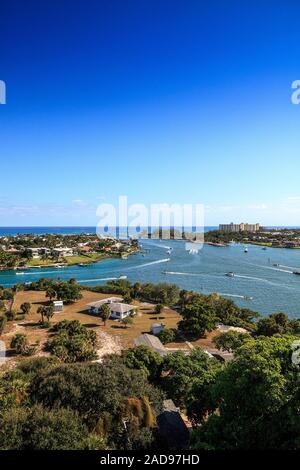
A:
{"x":11,"y":315}
{"x":19,"y":342}
{"x":167,"y":336}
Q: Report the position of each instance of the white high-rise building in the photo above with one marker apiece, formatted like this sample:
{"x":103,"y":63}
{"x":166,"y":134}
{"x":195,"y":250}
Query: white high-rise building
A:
{"x":242,"y":227}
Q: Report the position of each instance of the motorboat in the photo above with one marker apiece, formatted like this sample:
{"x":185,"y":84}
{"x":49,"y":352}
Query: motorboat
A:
{"x":230,"y":274}
{"x":245,"y":250}
{"x":297,"y":273}
{"x":122,"y":277}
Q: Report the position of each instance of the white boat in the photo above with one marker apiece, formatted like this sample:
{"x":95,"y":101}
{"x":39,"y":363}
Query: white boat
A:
{"x":122,"y":277}
{"x":245,"y":250}
{"x":19,"y":274}
{"x":230,"y":274}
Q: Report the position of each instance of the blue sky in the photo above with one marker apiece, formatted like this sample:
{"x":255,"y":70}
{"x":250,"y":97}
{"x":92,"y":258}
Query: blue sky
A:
{"x":162,"y":101}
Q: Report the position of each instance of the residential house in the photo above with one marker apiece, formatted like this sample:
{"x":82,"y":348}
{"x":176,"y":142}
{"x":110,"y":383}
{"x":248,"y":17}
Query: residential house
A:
{"x":62,"y":252}
{"x":118,"y":309}
{"x":152,"y":342}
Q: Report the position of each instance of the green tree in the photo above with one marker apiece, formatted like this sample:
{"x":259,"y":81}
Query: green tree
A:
{"x":231,"y":340}
{"x":25,"y":308}
{"x":42,"y":429}
{"x":50,"y":293}
{"x":105,"y":313}
{"x":73,"y":342}
{"x":144,"y":359}
{"x":68,"y":292}
{"x":187,"y":380}
{"x":167,"y":336}
{"x":198,"y":317}
{"x":127,"y":299}
{"x":19,"y":342}
{"x":250,"y":395}
{"x":100,"y":394}
{"x":158,"y":309}
{"x":277,"y":323}
{"x":127,"y":321}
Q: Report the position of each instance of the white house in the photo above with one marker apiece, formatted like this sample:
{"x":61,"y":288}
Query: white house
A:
{"x":118,"y":309}
{"x":63,"y":251}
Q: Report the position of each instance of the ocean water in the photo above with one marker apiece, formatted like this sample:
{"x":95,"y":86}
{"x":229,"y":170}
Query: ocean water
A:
{"x":272,"y":288}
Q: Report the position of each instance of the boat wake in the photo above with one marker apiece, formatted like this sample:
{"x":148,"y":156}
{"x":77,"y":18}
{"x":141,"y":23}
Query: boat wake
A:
{"x":245,"y":297}
{"x":278,"y":269}
{"x":165,"y":260}
{"x":165,"y":247}
{"x":38,"y":273}
{"x":175,"y":273}
{"x":100,"y":279}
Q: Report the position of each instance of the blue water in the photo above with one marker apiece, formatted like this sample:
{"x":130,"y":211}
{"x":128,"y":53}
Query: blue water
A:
{"x":272,"y":288}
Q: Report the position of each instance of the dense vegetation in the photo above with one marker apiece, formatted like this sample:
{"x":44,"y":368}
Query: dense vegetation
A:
{"x":67,"y":401}
{"x":250,"y":402}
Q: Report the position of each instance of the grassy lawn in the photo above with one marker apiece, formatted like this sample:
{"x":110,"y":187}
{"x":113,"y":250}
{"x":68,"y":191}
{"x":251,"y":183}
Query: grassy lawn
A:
{"x":39,"y":262}
{"x":70,"y":260}
{"x":86,"y":259}
{"x":143,"y":320}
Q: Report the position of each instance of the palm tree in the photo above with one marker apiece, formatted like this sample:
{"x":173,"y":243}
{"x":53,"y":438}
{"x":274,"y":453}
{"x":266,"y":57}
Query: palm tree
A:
{"x":46,"y":311}
{"x":11,"y":293}
{"x":50,"y":293}
{"x":25,"y":307}
{"x":158,"y":309}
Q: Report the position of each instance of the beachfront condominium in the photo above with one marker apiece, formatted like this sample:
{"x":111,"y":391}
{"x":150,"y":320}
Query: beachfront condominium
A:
{"x":239,"y":227}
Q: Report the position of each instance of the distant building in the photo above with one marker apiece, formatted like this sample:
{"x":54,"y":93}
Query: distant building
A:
{"x":239,"y":227}
{"x":63,"y":252}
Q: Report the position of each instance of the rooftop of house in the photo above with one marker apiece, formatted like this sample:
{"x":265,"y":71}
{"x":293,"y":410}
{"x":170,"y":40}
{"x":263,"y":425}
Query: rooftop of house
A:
{"x":114,"y":304}
{"x":152,"y":342}
{"x":98,"y":303}
{"x":119,"y":307}
{"x":172,"y":427}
